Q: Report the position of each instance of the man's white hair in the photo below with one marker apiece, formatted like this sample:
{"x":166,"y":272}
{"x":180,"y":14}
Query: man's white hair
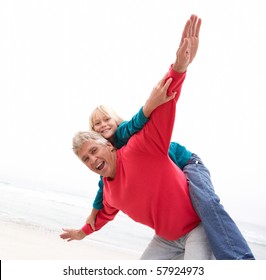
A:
{"x":84,"y":136}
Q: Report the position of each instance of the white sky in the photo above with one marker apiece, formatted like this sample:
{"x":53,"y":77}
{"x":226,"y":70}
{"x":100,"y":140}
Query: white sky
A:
{"x":59,"y":59}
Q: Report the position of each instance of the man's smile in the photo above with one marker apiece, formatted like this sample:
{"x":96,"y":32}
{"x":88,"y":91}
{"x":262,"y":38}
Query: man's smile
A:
{"x":100,"y":165}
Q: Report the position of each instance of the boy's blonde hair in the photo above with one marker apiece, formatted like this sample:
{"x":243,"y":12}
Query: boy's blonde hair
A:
{"x":106,"y":110}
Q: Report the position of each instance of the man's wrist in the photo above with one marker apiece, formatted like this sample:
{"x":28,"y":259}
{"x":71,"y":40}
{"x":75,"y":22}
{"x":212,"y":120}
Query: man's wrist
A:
{"x":178,"y":68}
{"x":176,"y":72}
{"x":81,"y":234}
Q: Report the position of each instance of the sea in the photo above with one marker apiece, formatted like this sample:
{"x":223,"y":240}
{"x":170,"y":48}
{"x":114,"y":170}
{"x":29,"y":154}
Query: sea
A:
{"x":53,"y":210}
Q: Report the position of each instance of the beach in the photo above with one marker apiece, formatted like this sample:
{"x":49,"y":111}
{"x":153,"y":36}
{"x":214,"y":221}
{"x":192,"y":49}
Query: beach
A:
{"x":31,"y":221}
{"x":25,"y":242}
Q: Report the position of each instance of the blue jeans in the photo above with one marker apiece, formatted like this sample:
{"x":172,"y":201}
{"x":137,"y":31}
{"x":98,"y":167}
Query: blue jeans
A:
{"x":226,"y":240}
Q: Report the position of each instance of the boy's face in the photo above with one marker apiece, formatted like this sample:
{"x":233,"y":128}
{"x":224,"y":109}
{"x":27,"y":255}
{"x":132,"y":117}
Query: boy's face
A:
{"x":104,"y":125}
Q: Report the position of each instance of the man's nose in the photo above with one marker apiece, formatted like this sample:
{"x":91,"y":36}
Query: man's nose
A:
{"x":92,"y":159}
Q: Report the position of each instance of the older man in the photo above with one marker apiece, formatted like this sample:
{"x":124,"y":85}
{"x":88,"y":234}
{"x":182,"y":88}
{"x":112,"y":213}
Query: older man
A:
{"x":142,"y":181}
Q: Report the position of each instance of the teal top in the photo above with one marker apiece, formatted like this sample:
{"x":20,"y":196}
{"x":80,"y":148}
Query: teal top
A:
{"x":128,"y":128}
{"x":179,"y":154}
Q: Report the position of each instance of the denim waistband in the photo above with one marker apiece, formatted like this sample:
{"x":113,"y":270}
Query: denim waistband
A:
{"x":194,"y":159}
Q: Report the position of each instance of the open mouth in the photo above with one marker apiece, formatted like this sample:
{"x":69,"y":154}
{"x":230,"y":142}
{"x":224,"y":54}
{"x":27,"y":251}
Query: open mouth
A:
{"x":100,"y":166}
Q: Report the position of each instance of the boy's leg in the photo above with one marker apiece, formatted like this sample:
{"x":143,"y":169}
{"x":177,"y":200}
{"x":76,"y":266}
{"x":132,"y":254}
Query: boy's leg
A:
{"x":225,"y":238}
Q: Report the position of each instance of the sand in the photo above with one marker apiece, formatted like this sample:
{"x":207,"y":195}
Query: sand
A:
{"x":22,"y":242}
{"x":25,"y":242}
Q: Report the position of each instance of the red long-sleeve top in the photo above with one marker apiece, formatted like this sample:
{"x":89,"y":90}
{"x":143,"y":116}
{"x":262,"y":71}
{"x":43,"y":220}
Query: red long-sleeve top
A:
{"x":148,"y":186}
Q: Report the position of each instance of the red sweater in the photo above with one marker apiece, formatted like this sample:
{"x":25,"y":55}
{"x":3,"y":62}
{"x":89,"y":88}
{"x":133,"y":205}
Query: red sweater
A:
{"x":148,"y":186}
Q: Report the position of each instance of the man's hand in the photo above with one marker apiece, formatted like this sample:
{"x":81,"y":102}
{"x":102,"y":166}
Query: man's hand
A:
{"x":72,"y":234}
{"x":189,"y":44}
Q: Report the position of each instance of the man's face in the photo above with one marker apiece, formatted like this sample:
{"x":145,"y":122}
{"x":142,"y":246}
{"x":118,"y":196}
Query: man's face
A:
{"x":99,"y":158}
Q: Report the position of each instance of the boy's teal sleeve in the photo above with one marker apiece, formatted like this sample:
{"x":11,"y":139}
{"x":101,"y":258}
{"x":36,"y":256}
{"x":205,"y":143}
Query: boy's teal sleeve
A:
{"x":179,"y":154}
{"x":127,"y":128}
{"x":98,"y":201}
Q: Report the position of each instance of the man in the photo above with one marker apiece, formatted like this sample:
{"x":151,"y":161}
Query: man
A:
{"x":142,"y":181}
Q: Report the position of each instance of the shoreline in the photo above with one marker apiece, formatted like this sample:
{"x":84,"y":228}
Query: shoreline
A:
{"x":29,"y":242}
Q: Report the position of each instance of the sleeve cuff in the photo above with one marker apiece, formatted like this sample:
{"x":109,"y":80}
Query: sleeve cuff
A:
{"x":142,"y":117}
{"x":87,"y":229}
{"x":174,"y":74}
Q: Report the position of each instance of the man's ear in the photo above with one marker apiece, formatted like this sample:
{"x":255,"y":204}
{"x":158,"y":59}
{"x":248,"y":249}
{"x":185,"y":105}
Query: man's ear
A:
{"x":110,"y":146}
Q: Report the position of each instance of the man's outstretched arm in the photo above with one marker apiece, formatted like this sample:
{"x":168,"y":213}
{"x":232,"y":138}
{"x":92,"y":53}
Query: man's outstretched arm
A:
{"x":189,"y":44}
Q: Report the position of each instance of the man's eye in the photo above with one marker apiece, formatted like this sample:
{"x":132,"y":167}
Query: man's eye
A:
{"x":85,"y":160}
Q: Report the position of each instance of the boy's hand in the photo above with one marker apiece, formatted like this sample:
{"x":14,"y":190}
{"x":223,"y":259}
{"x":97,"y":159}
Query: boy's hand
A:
{"x":158,"y":96}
